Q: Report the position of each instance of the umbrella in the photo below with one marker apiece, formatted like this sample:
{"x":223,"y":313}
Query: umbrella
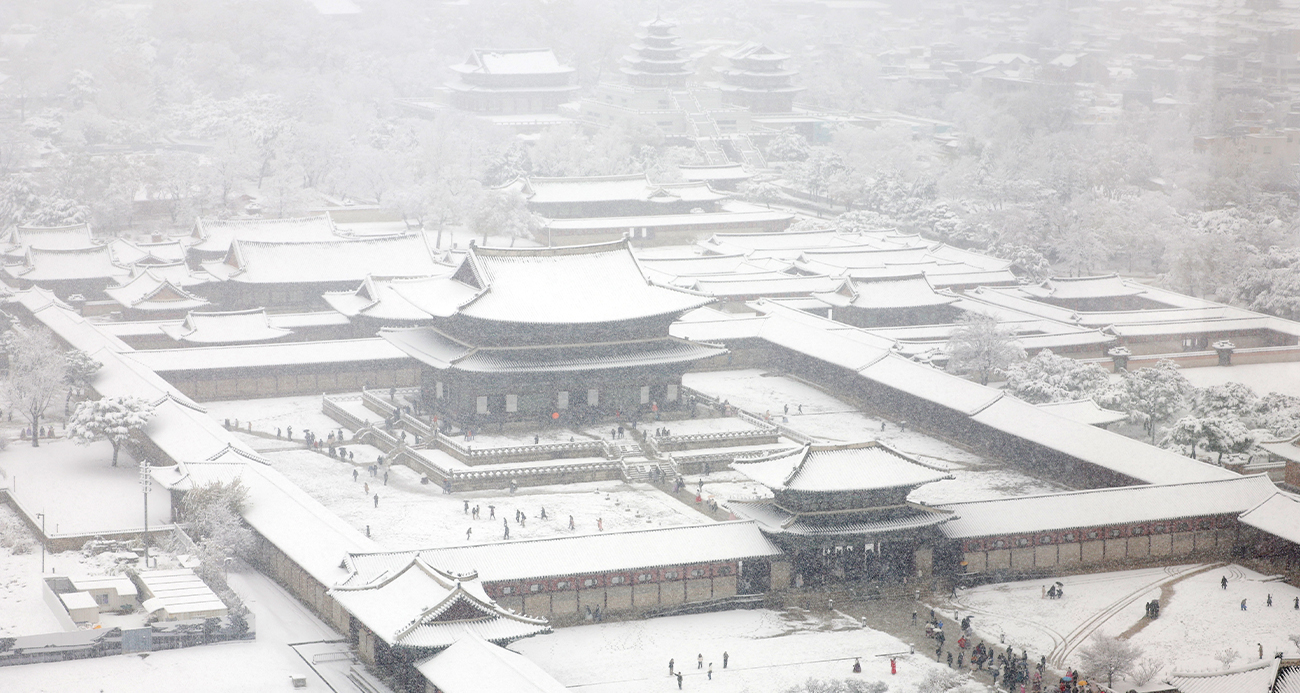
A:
{"x":1060,"y":584}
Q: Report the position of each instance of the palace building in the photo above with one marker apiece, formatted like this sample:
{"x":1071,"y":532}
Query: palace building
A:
{"x":556,"y":334}
{"x":842,"y":510}
{"x":758,"y":79}
{"x":511,"y":82}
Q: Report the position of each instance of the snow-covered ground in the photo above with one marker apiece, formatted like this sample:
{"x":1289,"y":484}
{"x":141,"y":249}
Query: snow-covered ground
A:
{"x":79,"y":490}
{"x":827,"y":418}
{"x":412,"y":515}
{"x":1263,"y":378}
{"x":1197,"y":620}
{"x":769,"y":651}
{"x":302,"y":413}
{"x":263,"y":664}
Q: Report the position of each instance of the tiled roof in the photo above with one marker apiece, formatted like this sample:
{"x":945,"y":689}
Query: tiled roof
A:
{"x":149,"y":292}
{"x":459,"y":669}
{"x":1109,"y":506}
{"x":1279,"y":515}
{"x":341,"y":260}
{"x":216,"y":235}
{"x":569,"y":285}
{"x":1085,"y":411}
{"x":227,"y":327}
{"x":418,"y":605}
{"x":1076,"y":288}
{"x":1256,"y":677}
{"x":40,"y":265}
{"x":586,"y":554}
{"x":839,"y":468}
{"x":774,"y":519}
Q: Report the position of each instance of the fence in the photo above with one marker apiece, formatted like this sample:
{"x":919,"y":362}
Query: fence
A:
{"x":341,"y":415}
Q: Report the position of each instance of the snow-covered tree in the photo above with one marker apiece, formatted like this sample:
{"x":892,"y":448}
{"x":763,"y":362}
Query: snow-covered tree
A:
{"x":111,"y":418}
{"x":502,"y":213}
{"x":1226,"y":400}
{"x":788,"y":145}
{"x":1150,"y":395}
{"x":982,"y":347}
{"x":1226,"y":435}
{"x":1279,"y":414}
{"x":211,"y":514}
{"x":1109,"y":656}
{"x":838,"y":686}
{"x":1050,"y":378}
{"x":81,"y":368}
{"x":37,"y":368}
{"x":1189,"y":431}
{"x":765,"y":192}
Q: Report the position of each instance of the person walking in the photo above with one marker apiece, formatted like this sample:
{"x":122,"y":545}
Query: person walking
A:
{"x":466,"y":507}
{"x":679,"y":680}
{"x":1223,"y":582}
{"x":468,"y":532}
{"x":725,"y":657}
{"x":600,"y":524}
{"x":376,"y":500}
{"x":1270,"y":600}
{"x":671,"y":662}
{"x":571,"y":522}
{"x":506,"y":525}
{"x":1243,"y":605}
{"x":1261,"y":649}
{"x":699,"y":661}
{"x":710,"y":671}
{"x":354,"y":475}
{"x":492,"y":512}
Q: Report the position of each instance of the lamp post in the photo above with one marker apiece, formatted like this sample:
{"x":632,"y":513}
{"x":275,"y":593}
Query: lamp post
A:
{"x":144,"y":486}
{"x":42,"y":516}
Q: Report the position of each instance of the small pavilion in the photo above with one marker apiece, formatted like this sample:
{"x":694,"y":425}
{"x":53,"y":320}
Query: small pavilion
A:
{"x":842,"y":510}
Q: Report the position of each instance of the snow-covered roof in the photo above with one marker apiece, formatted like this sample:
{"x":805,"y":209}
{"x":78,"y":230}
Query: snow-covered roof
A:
{"x":460,"y":669}
{"x":388,"y":299}
{"x":1104,"y":507}
{"x":727,"y":172}
{"x":285,"y":354}
{"x":622,"y":188}
{"x":774,"y":519}
{"x":1288,"y":449}
{"x":1085,"y":411}
{"x":179,"y":592}
{"x":1256,"y":677}
{"x":537,"y":61}
{"x":769,"y":284}
{"x":41,"y":265}
{"x":340,"y":260}
{"x":1119,"y":453}
{"x":216,"y":235}
{"x":226,"y":327}
{"x":585,"y":554}
{"x":51,"y":237}
{"x":893,"y":293}
{"x":731,"y":243}
{"x":150,"y":292}
{"x":120,"y":583}
{"x":697,"y":222}
{"x":298,"y":525}
{"x":847,"y":347}
{"x":565,"y":285}
{"x":839,"y":468}
{"x":178,"y":273}
{"x":1279,"y":515}
{"x":699,"y":265}
{"x":420,"y":606}
{"x":431,"y":347}
{"x":931,"y":384}
{"x":1079,"y":288}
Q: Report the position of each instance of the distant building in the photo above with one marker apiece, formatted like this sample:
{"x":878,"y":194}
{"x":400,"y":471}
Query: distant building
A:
{"x":511,"y":82}
{"x":656,"y":59}
{"x":758,"y":79}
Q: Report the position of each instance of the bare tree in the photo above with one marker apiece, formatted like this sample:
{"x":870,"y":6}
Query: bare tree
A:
{"x":1227,"y":657}
{"x":37,"y":368}
{"x":982,"y":347}
{"x":1108,"y":656}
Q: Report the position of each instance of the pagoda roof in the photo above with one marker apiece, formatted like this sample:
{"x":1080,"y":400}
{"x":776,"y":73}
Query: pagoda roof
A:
{"x":387,"y":299}
{"x":460,"y":669}
{"x":433,"y":348}
{"x":584,"y":284}
{"x":151,"y":292}
{"x":227,"y":327}
{"x":420,"y":606}
{"x":839,"y":468}
{"x":338,"y":260}
{"x":526,"y":61}
{"x":94,"y":262}
{"x":773,"y":519}
{"x":755,"y":51}
{"x":178,"y":273}
{"x":623,"y":188}
{"x":1079,"y":288}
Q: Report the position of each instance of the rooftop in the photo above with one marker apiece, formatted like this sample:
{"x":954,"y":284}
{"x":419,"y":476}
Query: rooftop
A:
{"x":622,"y":188}
{"x":333,"y":261}
{"x":459,"y":669}
{"x":1279,"y":515}
{"x":1105,"y":507}
{"x":839,"y":468}
{"x":229,"y":327}
{"x":150,"y":292}
{"x":535,"y":61}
